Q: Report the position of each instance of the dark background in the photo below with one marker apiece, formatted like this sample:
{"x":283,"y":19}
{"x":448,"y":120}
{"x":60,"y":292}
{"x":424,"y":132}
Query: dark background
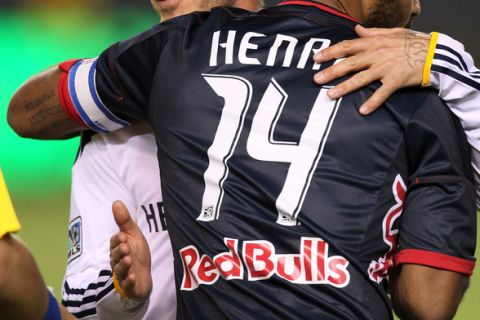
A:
{"x":459,"y":19}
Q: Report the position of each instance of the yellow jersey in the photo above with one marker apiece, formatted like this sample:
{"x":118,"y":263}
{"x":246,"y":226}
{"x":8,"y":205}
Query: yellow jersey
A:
{"x":8,"y":219}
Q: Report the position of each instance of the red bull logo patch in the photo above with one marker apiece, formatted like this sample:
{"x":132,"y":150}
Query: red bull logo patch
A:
{"x":259,"y":261}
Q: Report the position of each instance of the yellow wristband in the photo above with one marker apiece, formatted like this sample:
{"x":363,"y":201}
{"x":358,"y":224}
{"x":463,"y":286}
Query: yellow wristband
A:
{"x":117,"y":287}
{"x":430,"y":55}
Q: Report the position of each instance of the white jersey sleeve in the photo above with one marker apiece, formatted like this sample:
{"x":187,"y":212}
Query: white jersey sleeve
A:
{"x":116,"y":166}
{"x":454,"y":74}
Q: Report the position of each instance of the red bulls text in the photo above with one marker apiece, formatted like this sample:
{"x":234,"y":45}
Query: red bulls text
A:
{"x":260,"y":262}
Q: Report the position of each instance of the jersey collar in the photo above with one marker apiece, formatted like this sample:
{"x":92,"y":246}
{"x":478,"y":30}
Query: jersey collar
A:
{"x":310,"y":3}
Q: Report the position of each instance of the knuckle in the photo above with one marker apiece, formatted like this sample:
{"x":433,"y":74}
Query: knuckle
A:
{"x":342,"y":87}
{"x":346,"y":45}
{"x":394,"y":82}
{"x":116,"y":270}
{"x":327,"y":72}
{"x":352,"y":62}
{"x":361,"y":79}
{"x":381,"y":94}
{"x":382,"y":52}
{"x":380,"y":41}
{"x":127,"y":261}
{"x":327,"y":52}
{"x":121,"y":266}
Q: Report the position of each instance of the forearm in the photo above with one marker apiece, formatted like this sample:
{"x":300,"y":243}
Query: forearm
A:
{"x":23,"y":294}
{"x":420,"y":292}
{"x":35,"y":110}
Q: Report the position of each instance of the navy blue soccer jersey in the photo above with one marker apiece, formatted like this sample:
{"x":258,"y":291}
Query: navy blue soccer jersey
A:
{"x":282,"y":203}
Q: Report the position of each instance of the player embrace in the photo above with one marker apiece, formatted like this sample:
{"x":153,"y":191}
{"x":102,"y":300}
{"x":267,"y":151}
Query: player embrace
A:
{"x":276,"y":195}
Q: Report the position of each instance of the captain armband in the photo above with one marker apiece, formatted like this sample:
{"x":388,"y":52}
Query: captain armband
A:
{"x":64,"y":94}
{"x":79,"y":98}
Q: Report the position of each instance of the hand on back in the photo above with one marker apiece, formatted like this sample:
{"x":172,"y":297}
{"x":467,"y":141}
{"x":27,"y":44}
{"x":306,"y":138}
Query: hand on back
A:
{"x":395,"y":57}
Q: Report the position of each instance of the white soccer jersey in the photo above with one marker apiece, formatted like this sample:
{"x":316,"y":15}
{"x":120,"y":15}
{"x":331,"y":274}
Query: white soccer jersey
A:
{"x":454,"y":74}
{"x":116,"y":166}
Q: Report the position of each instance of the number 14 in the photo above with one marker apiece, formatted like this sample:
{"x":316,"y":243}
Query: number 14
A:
{"x":302,"y":156}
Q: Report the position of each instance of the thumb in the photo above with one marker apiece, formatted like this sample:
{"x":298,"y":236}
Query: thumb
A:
{"x":363,"y":32}
{"x":122,"y":217}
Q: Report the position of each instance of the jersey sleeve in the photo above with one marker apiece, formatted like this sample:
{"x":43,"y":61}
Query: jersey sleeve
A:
{"x":110,"y":91}
{"x":438,"y":225}
{"x":88,"y":289}
{"x":454,"y":74}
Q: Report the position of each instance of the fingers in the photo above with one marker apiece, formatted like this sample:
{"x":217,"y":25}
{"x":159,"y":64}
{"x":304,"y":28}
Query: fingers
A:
{"x":349,"y":48}
{"x":122,"y":217}
{"x":359,"y":80}
{"x":123,"y":267}
{"x":355,"y":82}
{"x":128,"y":284}
{"x":120,"y":259}
{"x":363,"y":44}
{"x":379,"y":54}
{"x":363,"y":32}
{"x":341,"y":50}
{"x":122,"y":263}
{"x":347,"y":66}
{"x":119,"y":252}
{"x":117,"y":239}
{"x":378,"y":98}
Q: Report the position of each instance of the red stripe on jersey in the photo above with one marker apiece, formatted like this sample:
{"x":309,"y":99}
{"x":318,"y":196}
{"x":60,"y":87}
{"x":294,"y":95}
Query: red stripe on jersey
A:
{"x":319,"y":6}
{"x":435,"y":260}
{"x":64,"y":95}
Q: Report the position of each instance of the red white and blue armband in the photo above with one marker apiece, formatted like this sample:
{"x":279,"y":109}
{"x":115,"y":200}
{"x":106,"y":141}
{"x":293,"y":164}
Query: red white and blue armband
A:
{"x":80,"y":100}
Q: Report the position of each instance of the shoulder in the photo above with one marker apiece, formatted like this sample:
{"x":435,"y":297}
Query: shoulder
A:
{"x":134,"y":139}
{"x":415,"y":98}
{"x":425,"y":103}
{"x":412,"y":103}
{"x":183,"y":23}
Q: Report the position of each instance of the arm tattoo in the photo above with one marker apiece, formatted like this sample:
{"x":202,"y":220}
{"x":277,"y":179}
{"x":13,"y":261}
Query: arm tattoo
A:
{"x":416,"y":49}
{"x":39,"y":101}
{"x":40,"y":117}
